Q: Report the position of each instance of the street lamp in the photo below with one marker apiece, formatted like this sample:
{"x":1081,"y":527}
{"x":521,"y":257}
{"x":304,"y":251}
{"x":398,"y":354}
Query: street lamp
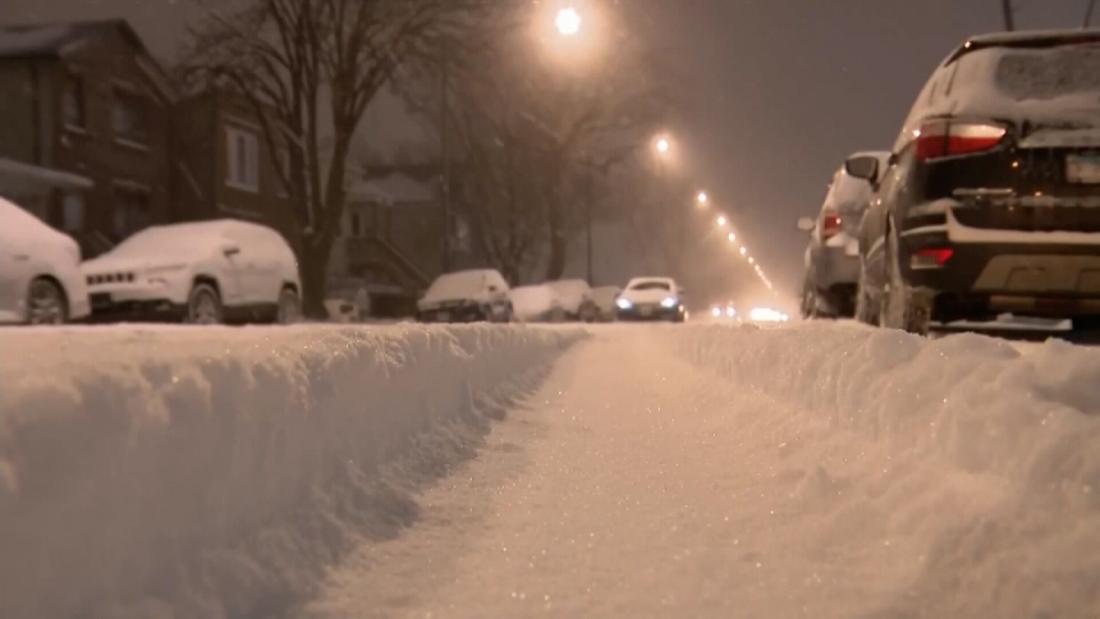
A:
{"x":722,"y":221}
{"x":732,"y":237}
{"x":663,"y":145}
{"x":568,"y":22}
{"x":744,"y":251}
{"x":702,"y":198}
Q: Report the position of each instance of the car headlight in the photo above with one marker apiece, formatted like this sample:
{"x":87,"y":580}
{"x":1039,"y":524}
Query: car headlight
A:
{"x":623,"y":304}
{"x":669,"y":302}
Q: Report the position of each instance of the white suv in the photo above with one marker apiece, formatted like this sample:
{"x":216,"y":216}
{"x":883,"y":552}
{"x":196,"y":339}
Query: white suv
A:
{"x":40,"y":280}
{"x":204,"y":272}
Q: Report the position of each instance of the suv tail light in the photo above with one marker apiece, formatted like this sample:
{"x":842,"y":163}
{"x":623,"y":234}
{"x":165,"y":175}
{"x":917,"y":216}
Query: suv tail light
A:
{"x":830,"y":225}
{"x":930,"y":257}
{"x":948,"y":138}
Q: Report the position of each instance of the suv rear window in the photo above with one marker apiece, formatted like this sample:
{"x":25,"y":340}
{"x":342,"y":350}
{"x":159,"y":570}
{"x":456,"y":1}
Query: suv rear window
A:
{"x":1024,"y":74}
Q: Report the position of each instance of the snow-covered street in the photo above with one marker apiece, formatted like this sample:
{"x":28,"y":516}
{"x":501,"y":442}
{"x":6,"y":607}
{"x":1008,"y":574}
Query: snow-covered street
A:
{"x":818,"y":470}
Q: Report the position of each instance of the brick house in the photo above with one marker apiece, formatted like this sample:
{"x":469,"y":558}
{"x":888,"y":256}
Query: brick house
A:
{"x":222,"y":163}
{"x":86,"y":138}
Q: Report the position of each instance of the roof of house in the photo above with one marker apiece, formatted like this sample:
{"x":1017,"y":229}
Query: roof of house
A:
{"x":26,"y":41}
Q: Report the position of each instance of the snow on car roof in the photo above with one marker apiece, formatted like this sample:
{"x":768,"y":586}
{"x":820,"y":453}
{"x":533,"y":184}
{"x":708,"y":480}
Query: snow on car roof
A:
{"x":460,"y":285}
{"x":22,"y":223}
{"x":1026,"y":38}
{"x":187,"y":237}
{"x":642,"y":281}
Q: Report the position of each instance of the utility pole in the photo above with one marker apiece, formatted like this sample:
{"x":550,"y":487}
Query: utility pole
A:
{"x":445,"y":158}
{"x":589,"y":196}
{"x":1010,"y":22}
{"x":1088,"y":13}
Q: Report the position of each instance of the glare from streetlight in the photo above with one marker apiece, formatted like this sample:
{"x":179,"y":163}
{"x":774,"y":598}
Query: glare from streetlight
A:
{"x":752,"y":260}
{"x":663,"y":145}
{"x":702,"y":198}
{"x":732,"y":237}
{"x":568,"y":22}
{"x":744,"y":251}
{"x":722,"y":221}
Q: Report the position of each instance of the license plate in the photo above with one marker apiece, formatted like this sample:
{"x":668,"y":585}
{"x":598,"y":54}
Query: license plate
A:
{"x":852,"y":248}
{"x":1083,"y":169}
{"x":647,"y":311}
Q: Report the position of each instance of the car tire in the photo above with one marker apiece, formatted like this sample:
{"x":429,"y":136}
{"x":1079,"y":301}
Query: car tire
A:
{"x":902,"y":306}
{"x":289,"y":310}
{"x":46,"y":304}
{"x":204,"y":306}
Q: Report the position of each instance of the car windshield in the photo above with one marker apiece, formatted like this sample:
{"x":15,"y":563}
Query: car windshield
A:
{"x":651,"y":285}
{"x":1024,"y":74}
{"x":173,"y":241}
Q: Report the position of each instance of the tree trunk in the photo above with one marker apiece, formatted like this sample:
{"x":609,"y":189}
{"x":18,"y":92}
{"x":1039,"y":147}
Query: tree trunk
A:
{"x":1010,"y":21}
{"x":314,"y":269}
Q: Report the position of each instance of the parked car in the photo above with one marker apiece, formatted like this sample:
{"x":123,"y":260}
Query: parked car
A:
{"x":536,"y":303}
{"x":991,"y":199}
{"x":572,"y":295}
{"x":209,"y":272}
{"x":651,"y":298}
{"x":832,"y":255}
{"x":40,"y":280}
{"x":599,"y":304}
{"x":466,"y":296}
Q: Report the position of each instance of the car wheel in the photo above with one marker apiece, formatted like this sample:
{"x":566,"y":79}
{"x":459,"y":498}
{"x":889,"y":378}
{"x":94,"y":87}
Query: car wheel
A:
{"x":290,"y":307}
{"x":204,"y":306}
{"x":902,"y":306}
{"x":46,"y":303}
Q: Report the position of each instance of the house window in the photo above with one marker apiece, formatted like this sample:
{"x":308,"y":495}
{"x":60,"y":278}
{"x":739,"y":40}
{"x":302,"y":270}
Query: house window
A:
{"x":244,"y":160}
{"x":129,"y":118}
{"x":72,"y":212}
{"x":356,"y":224}
{"x":72,"y":102}
{"x":131,"y":212}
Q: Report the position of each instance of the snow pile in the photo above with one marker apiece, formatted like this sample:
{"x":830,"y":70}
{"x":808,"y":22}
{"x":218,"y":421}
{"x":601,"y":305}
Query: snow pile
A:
{"x":965,"y":465}
{"x":216,"y":473}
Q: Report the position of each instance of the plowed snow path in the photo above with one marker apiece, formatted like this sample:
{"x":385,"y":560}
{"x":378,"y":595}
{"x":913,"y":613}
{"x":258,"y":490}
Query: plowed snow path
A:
{"x":638,"y":484}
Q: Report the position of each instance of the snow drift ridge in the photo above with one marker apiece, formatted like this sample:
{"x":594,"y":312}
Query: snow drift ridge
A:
{"x":173,"y":472}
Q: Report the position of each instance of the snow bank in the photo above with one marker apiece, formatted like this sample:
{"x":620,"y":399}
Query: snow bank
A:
{"x":216,"y":473}
{"x":988,"y":458}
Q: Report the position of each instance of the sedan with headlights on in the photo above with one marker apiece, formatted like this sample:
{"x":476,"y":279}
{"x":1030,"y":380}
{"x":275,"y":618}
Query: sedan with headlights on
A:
{"x":651,"y":298}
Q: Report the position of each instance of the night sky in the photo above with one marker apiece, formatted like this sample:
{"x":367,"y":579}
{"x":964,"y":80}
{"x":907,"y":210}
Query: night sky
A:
{"x":775,"y":92}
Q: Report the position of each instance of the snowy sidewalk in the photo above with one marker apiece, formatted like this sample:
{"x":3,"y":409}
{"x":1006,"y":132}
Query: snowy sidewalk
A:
{"x":637,"y":483}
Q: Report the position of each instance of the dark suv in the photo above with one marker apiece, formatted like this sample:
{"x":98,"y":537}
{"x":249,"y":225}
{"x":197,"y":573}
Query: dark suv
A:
{"x":991,"y":200}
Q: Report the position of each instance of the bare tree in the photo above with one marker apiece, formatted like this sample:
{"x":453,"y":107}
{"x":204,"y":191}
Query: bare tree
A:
{"x":309,"y":68}
{"x":1009,"y":15}
{"x":1090,"y":6}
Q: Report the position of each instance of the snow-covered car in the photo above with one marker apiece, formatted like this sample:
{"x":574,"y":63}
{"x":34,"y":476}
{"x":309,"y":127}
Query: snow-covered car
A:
{"x":831,"y":262}
{"x":40,"y":279}
{"x":599,"y":305}
{"x":536,"y":303}
{"x":466,"y":296}
{"x":989,"y":203}
{"x":571,"y":295}
{"x":651,"y":298}
{"x":223,"y":271}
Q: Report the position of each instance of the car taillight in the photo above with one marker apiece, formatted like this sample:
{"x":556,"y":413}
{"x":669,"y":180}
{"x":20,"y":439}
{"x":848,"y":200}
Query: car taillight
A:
{"x":830,"y":225}
{"x":948,"y":138}
{"x":931,"y":257}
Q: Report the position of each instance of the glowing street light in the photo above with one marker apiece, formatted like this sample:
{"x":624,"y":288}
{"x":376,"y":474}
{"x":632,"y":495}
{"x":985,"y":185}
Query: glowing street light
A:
{"x":568,"y":22}
{"x":702,"y":198}
{"x":745,"y":251}
{"x":663,"y":145}
{"x":731,"y":237}
{"x":722,"y":221}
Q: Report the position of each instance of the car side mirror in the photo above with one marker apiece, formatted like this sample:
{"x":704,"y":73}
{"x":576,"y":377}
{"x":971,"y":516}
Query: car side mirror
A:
{"x":863,"y":167}
{"x":231,"y":250}
{"x":806,"y":224}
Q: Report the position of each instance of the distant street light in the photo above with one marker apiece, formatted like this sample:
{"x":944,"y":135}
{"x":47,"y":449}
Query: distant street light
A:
{"x":722,"y":221}
{"x":732,"y":237}
{"x":663,"y":145}
{"x":744,"y":251}
{"x":568,"y":22}
{"x":702,"y":198}
{"x":752,"y":260}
